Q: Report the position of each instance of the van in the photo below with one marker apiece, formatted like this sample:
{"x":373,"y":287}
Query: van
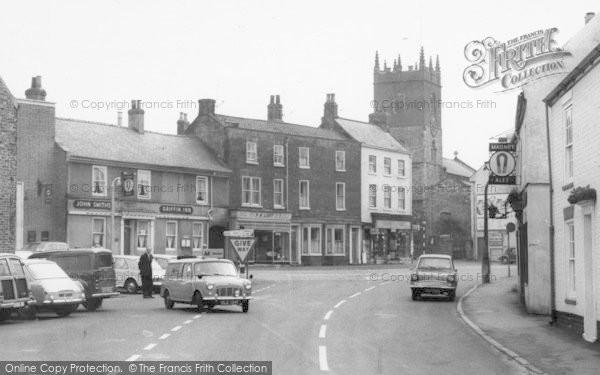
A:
{"x":128,"y":273}
{"x":14,"y":290}
{"x":93,"y":268}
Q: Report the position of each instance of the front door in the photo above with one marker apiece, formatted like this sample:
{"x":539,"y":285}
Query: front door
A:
{"x":295,"y":244}
{"x":355,"y":255}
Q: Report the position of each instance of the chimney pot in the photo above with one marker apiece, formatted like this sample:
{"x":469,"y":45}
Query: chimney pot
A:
{"x":330,"y":112}
{"x":35,"y":92}
{"x":136,"y":116}
{"x":206,"y":107}
{"x":589,"y":16}
{"x":119,"y":118}
{"x":275,"y":109}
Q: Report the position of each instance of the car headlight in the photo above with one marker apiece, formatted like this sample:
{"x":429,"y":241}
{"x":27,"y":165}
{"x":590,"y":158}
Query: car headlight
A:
{"x":450,"y":278}
{"x":210,"y":286}
{"x":236,"y":293}
{"x":414,"y":277}
{"x":248,"y":285}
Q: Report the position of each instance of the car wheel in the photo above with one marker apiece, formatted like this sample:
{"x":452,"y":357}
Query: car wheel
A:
{"x":197,"y":300}
{"x":92,"y":304}
{"x":168,"y":301}
{"x":452,"y":295}
{"x":4,"y":314}
{"x":415,"y":295}
{"x":28,"y":312}
{"x":131,"y":286}
{"x":245,"y":306}
{"x":66,"y":310}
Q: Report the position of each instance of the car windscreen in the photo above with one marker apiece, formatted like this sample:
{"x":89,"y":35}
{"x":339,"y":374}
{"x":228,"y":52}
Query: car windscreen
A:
{"x":81,"y":262}
{"x":215,"y":268}
{"x":42,"y":271}
{"x":434,"y":263}
{"x":162,"y":262}
{"x":104,"y":260}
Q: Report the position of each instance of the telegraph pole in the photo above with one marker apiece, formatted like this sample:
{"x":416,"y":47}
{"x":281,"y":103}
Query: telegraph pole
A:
{"x":485,"y":259}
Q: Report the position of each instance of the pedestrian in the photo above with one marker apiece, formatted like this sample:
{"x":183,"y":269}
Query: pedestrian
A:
{"x":145,"y":266}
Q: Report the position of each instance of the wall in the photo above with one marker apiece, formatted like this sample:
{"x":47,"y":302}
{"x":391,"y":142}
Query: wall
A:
{"x":8,"y":169}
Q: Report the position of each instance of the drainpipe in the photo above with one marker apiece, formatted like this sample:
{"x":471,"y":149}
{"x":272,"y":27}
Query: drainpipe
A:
{"x":551,"y":227}
{"x":208,"y":213}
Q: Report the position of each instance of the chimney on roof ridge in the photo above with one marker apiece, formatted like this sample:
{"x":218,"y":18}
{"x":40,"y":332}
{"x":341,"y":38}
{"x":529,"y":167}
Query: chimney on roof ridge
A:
{"x":275,"y":109}
{"x":330,"y":112}
{"x":119,"y":118}
{"x":206,"y":107}
{"x":589,"y":16}
{"x":36,"y":92}
{"x":136,"y":116}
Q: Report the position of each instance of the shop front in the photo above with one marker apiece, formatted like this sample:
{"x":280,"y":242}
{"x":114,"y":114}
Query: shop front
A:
{"x":390,"y":237}
{"x":272,"y":232}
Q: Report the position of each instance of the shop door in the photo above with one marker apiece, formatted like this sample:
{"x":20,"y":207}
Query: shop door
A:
{"x":294,"y":244}
{"x":127,"y":237}
{"x":263,"y":247}
{"x":355,"y":245}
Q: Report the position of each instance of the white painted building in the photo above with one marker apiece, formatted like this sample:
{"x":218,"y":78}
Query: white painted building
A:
{"x":573,"y":122}
{"x":386,"y":191}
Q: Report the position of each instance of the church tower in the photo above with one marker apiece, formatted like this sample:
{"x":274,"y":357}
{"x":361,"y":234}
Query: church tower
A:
{"x":408,"y":103}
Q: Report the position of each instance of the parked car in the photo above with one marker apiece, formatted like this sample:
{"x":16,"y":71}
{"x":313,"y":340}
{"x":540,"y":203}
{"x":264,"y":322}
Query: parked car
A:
{"x":434,"y":275}
{"x":52,"y":289}
{"x":14,"y":290}
{"x":508,"y":254}
{"x":45,"y":246}
{"x":205,"y":283}
{"x":23,"y":254}
{"x":163,"y":259}
{"x":93,"y":268}
{"x":128,"y":273}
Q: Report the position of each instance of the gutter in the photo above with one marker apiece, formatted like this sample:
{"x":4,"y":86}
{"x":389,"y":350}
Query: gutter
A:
{"x":551,"y":226}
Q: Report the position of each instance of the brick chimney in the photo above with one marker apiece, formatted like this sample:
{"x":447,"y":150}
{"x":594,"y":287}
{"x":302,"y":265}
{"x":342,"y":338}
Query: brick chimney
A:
{"x":589,"y":16}
{"x":136,"y":116}
{"x":330,"y":112}
{"x":36,"y":92}
{"x":182,"y":123}
{"x":206,"y":107}
{"x":275,"y":109}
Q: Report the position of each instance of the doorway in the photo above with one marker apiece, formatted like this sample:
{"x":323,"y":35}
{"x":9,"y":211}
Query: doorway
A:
{"x":590,"y":332}
{"x":127,"y":237}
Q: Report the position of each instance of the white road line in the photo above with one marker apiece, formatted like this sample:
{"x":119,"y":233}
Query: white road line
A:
{"x":133,"y":358}
{"x":328,"y":315}
{"x":385,"y":283}
{"x":164,"y":336}
{"x":175,"y":329}
{"x":187,"y":321}
{"x":197,"y":316}
{"x":150,"y":347}
{"x":371,"y":288}
{"x":355,"y":295}
{"x":339,"y":304}
{"x":323,"y":331}
{"x":323,"y":358}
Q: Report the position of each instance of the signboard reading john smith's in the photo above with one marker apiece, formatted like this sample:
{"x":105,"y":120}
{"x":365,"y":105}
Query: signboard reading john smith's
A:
{"x":99,"y":205}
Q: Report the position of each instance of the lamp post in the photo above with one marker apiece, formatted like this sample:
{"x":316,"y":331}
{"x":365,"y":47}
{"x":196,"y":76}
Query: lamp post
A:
{"x":113,"y":187}
{"x":485,"y":258}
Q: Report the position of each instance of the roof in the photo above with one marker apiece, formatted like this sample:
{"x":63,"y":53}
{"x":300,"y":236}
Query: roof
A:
{"x":370,"y":135}
{"x":435,"y":256}
{"x":105,"y":142}
{"x":458,"y":167}
{"x":196,"y":259}
{"x":280,"y":127}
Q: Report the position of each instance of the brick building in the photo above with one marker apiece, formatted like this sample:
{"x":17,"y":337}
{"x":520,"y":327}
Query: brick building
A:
{"x":408,"y":106}
{"x":8,"y":168}
{"x":287,"y":186}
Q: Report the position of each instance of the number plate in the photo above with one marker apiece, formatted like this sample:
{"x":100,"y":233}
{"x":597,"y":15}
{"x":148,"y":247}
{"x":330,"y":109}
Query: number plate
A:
{"x":228,"y":302}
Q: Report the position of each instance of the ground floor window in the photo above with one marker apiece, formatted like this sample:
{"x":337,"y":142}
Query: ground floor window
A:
{"x":143,"y":234}
{"x":197,"y":231}
{"x":98,"y":232}
{"x":311,"y":240}
{"x":335,"y":241}
{"x":171,"y":236}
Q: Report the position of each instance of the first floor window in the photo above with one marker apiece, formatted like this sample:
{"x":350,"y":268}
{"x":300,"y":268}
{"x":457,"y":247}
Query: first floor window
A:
{"x":98,"y":227}
{"x":99,"y":181}
{"x":372,"y":164}
{"x":387,"y":198}
{"x":278,"y":193}
{"x":401,"y":168}
{"x":311,"y":240}
{"x":570,"y":239}
{"x":201,"y":190}
{"x":401,"y":198}
{"x":143,"y":234}
{"x":251,"y":191}
{"x":304,"y":194}
{"x":387,"y":166}
{"x":372,"y":196}
{"x":335,"y":241}
{"x":143,"y":184}
{"x":340,"y":161}
{"x":197,"y":236}
{"x":303,"y":157}
{"x":171,"y":235}
{"x":278,"y":156}
{"x":340,"y":196}
{"x":251,"y":153}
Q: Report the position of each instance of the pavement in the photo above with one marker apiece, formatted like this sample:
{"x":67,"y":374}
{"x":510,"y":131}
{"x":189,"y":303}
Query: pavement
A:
{"x":530,"y":341}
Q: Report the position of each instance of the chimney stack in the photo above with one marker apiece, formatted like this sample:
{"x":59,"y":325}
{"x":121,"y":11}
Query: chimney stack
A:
{"x":330,"y":112}
{"x":589,"y":16}
{"x":206,"y":107}
{"x":36,"y":92}
{"x":136,"y":116}
{"x":182,"y":123}
{"x":275,"y":109}
{"x":119,"y":118}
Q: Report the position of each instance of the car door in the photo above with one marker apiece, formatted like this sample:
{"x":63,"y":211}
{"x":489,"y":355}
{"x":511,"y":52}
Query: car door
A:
{"x":7,"y":286}
{"x":187,"y":283}
{"x":19,"y":277}
{"x":175,"y":281}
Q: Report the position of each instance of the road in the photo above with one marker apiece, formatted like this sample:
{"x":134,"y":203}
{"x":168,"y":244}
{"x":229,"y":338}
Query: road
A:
{"x":352,"y":320}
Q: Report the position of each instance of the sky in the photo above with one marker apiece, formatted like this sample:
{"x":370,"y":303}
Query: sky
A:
{"x":95,"y":57}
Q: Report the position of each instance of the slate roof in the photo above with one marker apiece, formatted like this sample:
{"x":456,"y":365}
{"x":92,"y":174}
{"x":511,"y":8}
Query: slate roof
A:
{"x":370,"y":135}
{"x":98,"y":141}
{"x":457,"y":167}
{"x":280,"y":127}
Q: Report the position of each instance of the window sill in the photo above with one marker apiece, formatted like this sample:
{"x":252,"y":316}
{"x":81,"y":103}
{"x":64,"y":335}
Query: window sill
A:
{"x":335,"y":255}
{"x":278,"y":207}
{"x":304,"y":167}
{"x":340,"y":209}
{"x":372,"y":173}
{"x":372,"y":208}
{"x":201,"y":203}
{"x":279,"y":165}
{"x":568,"y":186}
{"x":251,"y":162}
{"x":304,"y":208}
{"x":387,"y":175}
{"x":401,"y":177}
{"x":251,"y":206}
{"x":570,"y":301}
{"x":143,"y":198}
{"x":98,"y":195}
{"x":340,"y":170}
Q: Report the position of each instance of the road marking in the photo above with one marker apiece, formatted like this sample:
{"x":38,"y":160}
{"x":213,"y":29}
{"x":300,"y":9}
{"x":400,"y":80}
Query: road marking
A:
{"x":164,"y":336}
{"x":385,"y":283}
{"x":150,"y":347}
{"x":322,"y":331}
{"x":176,"y":329}
{"x":323,"y":358}
{"x":197,"y":316}
{"x":328,"y":315}
{"x":187,"y":322}
{"x":371,"y":288}
{"x":339,"y":304}
{"x":355,"y":295}
{"x":133,"y":358}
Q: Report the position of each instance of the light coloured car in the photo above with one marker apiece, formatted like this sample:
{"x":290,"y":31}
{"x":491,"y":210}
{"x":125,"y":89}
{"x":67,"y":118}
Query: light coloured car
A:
{"x":128,"y":276}
{"x":205,"y":283}
{"x":434,"y":275}
{"x":45,"y":246}
{"x":52,"y":289}
{"x":163,"y":259}
{"x":23,"y":254}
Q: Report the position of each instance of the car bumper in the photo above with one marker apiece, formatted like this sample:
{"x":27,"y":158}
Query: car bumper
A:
{"x":432,"y":285}
{"x":13,"y":304}
{"x":214,"y":298}
{"x":105,"y":295}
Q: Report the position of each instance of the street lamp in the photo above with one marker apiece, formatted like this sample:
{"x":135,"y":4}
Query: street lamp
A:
{"x":113,"y":186}
{"x":485,"y":259}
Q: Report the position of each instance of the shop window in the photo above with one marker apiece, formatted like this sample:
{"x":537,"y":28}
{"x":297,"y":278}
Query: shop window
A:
{"x":143,"y":234}
{"x":304,"y":194}
{"x":201,"y":190}
{"x":99,"y":181}
{"x":340,"y":161}
{"x":372,"y":164}
{"x":303,"y":157}
{"x":278,"y":193}
{"x":340,"y":196}
{"x":311,"y":240}
{"x":143,"y":184}
{"x":251,"y":191}
{"x":171,"y":236}
{"x":251,"y":153}
{"x":278,"y":160}
{"x":197,"y":232}
{"x":335,"y":241}
{"x":98,"y":227}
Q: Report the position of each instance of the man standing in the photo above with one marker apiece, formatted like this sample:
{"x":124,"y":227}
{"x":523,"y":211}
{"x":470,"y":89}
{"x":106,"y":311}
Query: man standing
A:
{"x":145,"y":266}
